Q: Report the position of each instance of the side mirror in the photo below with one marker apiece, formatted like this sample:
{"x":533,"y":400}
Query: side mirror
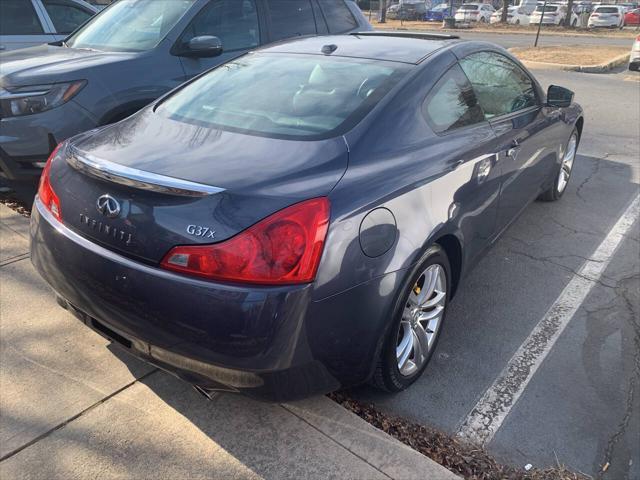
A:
{"x":559,"y":96}
{"x":204,"y":46}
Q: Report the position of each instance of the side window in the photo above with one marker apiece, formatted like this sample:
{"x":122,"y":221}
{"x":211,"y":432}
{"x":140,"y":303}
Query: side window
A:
{"x":501,"y":86}
{"x":291,"y":18}
{"x":234,"y":22}
{"x":19,"y":18}
{"x":452,"y":103}
{"x":338,"y":16}
{"x":66,"y":16}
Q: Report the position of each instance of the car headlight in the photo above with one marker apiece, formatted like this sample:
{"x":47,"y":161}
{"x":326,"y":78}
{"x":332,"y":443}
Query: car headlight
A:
{"x":18,"y":101}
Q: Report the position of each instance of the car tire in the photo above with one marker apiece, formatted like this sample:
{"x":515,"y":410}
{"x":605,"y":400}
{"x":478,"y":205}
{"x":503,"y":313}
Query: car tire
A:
{"x":574,"y":24}
{"x":388,"y":375}
{"x":559,"y":185}
{"x":517,"y":22}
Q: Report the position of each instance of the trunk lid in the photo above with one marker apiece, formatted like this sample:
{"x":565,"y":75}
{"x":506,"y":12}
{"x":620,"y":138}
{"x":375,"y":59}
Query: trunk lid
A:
{"x":180,"y":184}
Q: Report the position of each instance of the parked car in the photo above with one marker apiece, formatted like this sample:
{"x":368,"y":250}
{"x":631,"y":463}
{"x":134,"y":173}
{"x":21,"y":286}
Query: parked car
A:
{"x":634,"y":58}
{"x":24,"y":23}
{"x":300,"y":218}
{"x":474,"y":12}
{"x":554,"y":14}
{"x":439,"y":12}
{"x":131,"y":53}
{"x":632,"y":17}
{"x":515,"y":16}
{"x":407,"y":10}
{"x":610,"y":16}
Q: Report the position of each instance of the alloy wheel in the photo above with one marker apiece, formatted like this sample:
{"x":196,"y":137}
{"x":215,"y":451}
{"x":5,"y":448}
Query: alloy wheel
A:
{"x":421,"y":320}
{"x":567,"y":163}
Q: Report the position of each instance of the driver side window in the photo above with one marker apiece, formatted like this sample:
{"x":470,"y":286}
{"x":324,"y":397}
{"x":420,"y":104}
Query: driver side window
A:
{"x":500,"y":85}
{"x":234,"y":22}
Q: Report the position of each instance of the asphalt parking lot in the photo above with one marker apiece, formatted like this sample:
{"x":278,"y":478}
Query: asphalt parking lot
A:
{"x":582,"y":407}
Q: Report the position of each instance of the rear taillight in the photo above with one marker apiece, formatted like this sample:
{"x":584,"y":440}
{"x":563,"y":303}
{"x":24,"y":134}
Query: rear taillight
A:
{"x":284,"y":248}
{"x":47,"y":196}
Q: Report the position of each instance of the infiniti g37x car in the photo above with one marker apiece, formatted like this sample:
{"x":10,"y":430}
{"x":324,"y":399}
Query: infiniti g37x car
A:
{"x":299,"y":219}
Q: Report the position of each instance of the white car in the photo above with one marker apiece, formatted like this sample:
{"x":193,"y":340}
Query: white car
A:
{"x":474,"y":12}
{"x":611,"y":16}
{"x":554,"y":14}
{"x":515,"y":16}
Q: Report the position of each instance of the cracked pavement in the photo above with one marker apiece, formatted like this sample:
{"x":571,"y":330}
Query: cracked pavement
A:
{"x":582,"y":407}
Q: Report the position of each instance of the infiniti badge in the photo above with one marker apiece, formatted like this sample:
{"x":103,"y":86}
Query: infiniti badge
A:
{"x":108,"y":206}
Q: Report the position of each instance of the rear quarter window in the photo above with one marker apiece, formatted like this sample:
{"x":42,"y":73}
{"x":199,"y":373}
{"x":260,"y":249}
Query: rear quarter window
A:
{"x":17,"y":17}
{"x":338,"y":16}
{"x":291,"y":18}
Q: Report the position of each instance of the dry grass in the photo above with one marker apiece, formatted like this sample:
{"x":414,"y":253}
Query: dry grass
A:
{"x":500,"y":28}
{"x":570,"y":54}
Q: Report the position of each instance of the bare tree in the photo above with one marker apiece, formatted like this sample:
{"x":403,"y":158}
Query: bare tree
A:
{"x":505,"y":11}
{"x":383,"y":11}
{"x":567,"y":20}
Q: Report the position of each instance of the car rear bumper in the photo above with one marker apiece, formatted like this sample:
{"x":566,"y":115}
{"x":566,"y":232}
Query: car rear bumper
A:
{"x":271,"y":343}
{"x":27,"y":141}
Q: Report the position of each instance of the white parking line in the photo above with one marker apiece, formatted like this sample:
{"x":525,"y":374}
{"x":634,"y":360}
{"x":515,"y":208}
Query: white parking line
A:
{"x":489,"y":413}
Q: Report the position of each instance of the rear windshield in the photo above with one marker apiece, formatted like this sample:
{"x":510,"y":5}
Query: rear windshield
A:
{"x":607,"y":10}
{"x":469,"y":7}
{"x":130,"y":25}
{"x":548,"y":8}
{"x":285,"y":96}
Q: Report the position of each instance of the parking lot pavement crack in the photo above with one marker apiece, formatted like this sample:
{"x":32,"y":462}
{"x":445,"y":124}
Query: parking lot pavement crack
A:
{"x":594,"y":171}
{"x":628,"y":412}
{"x":564,"y":267}
{"x":15,"y":259}
{"x":334,"y":440}
{"x":76,"y":416}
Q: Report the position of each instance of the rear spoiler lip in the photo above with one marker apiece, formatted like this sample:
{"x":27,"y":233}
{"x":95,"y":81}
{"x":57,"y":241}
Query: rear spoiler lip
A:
{"x":135,"y":178}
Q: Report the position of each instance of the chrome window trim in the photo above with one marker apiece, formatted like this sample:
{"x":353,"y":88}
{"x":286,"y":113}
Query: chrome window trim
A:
{"x":134,"y":178}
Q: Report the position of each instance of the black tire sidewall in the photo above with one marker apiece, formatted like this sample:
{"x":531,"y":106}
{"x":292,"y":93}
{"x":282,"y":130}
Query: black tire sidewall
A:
{"x":393,"y":380}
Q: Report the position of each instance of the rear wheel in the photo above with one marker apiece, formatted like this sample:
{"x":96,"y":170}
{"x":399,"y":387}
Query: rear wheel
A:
{"x":564,"y":172}
{"x":420,"y":310}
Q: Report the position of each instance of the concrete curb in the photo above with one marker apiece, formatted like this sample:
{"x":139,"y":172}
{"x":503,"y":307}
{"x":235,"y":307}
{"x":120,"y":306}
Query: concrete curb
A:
{"x":604,"y":67}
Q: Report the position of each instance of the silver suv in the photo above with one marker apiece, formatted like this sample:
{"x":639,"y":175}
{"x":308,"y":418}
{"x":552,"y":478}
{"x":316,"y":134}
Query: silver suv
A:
{"x":25,"y":23}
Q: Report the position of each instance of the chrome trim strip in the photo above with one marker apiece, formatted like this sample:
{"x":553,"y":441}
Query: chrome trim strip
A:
{"x":134,"y":178}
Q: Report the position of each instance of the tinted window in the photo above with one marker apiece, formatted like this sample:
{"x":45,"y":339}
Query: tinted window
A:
{"x":469,"y":7}
{"x":452,"y":103}
{"x":500,"y":85}
{"x":130,"y":25}
{"x":607,"y":10}
{"x":19,"y":18}
{"x":285,"y":96}
{"x":338,"y":16}
{"x":291,"y":18}
{"x":66,"y":16}
{"x":235,"y":22}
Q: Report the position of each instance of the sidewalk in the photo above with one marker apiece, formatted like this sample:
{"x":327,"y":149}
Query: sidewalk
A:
{"x":73,"y":406}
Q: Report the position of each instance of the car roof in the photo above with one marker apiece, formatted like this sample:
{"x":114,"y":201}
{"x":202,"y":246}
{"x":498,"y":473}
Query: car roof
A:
{"x":405,"y":47}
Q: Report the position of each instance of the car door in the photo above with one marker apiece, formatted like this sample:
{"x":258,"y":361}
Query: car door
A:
{"x":511,"y":104}
{"x":65,"y":16}
{"x":468,"y":141}
{"x":22,"y":24}
{"x":235,"y":22}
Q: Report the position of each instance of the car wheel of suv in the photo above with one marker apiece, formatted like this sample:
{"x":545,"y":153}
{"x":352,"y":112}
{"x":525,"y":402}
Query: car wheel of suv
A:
{"x":420,"y":310}
{"x":564,"y":172}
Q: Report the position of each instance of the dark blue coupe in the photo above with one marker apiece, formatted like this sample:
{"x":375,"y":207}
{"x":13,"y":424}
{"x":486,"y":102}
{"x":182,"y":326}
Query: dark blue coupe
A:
{"x":298,"y":219}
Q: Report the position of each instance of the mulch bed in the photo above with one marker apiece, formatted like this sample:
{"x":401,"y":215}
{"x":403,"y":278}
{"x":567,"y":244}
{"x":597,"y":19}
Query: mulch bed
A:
{"x":14,"y":204}
{"x":469,"y":461}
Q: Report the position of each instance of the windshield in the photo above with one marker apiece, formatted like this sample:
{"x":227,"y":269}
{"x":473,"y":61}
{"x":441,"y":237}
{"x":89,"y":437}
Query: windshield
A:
{"x":441,"y":7}
{"x":130,"y":25}
{"x":607,"y":10}
{"x":469,"y":7}
{"x":548,"y":8}
{"x":285,"y":96}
